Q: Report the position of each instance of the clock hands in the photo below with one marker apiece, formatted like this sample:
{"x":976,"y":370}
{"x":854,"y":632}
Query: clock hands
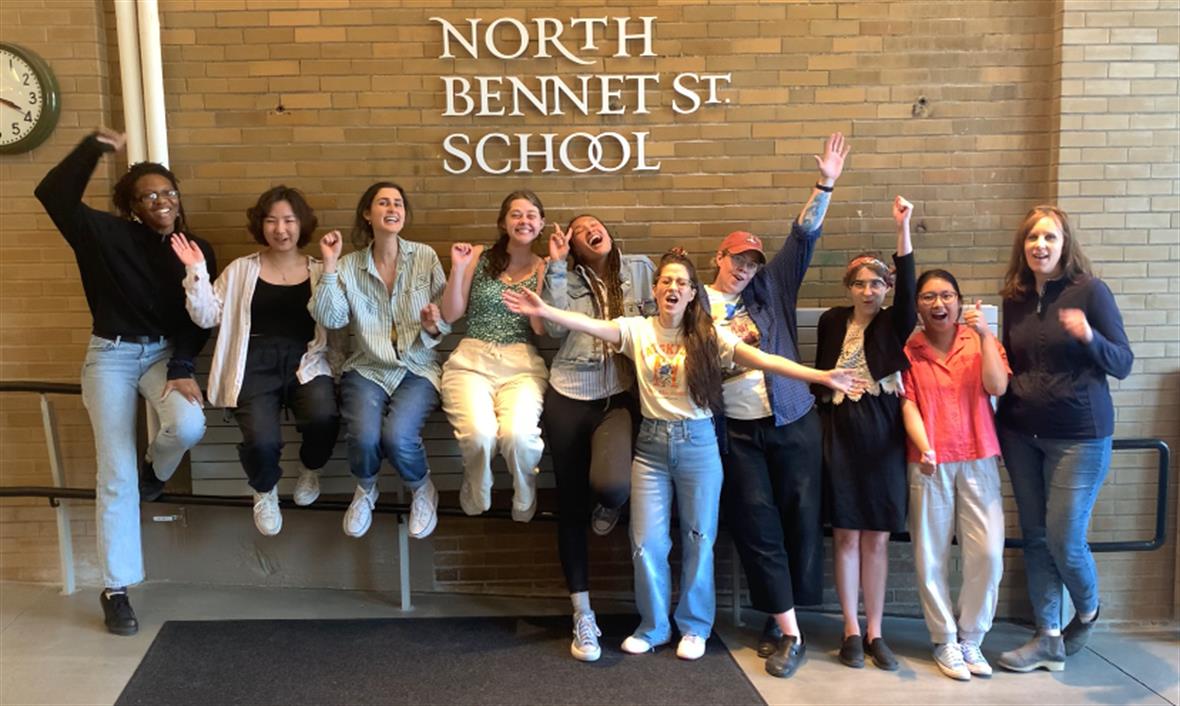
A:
{"x":12,"y":105}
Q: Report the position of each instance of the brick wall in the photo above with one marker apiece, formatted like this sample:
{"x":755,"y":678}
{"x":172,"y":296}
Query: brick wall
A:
{"x":974,"y":111}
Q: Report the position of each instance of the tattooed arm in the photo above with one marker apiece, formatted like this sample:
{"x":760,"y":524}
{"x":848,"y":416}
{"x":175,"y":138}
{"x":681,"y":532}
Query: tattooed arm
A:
{"x":831,"y":165}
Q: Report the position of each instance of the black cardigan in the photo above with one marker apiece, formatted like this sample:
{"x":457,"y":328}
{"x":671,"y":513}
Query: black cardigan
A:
{"x":885,"y":335}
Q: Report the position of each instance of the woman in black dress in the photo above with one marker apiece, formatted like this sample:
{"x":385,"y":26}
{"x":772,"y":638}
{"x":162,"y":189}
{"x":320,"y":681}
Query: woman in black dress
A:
{"x":864,"y":438}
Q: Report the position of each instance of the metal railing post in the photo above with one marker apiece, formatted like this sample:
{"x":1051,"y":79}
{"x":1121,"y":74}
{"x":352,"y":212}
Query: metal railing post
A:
{"x":65,"y":539}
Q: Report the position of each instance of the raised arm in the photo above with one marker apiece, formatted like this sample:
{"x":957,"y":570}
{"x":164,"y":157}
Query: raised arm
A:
{"x":556,"y":290}
{"x":995,"y":370}
{"x":203,"y":301}
{"x":1099,"y":328}
{"x":905,"y":304}
{"x":529,"y":303}
{"x":61,"y":191}
{"x":464,"y":260}
{"x":831,"y":166}
{"x":751,"y":357}
{"x":329,"y":304}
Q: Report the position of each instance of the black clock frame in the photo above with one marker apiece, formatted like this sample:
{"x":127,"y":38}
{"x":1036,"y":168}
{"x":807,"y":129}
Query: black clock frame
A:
{"x":50,"y":109}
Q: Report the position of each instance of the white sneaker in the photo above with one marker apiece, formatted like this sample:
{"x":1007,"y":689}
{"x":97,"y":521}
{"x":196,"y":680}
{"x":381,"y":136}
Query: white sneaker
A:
{"x":307,"y":488}
{"x":526,"y":514}
{"x":974,"y":659}
{"x":949,"y":658}
{"x":586,"y":633}
{"x":267,"y":516}
{"x":604,"y":519}
{"x":424,"y":510}
{"x":637,"y":646}
{"x":691,"y":647}
{"x":470,"y":506}
{"x":360,"y":512}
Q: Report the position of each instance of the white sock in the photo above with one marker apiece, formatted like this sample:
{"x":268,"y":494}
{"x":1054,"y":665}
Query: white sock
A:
{"x":581,"y":601}
{"x":1088,"y":617}
{"x":1053,"y":632}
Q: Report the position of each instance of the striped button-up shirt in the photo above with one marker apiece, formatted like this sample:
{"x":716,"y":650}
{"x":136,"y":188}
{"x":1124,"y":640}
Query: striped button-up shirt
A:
{"x":388,"y":339}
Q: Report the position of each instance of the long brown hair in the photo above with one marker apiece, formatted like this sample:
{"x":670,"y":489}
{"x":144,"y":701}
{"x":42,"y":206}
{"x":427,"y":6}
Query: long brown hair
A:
{"x":702,"y":363}
{"x":362,"y":230}
{"x":1019,"y":282}
{"x":498,"y":257}
{"x":614,"y":266}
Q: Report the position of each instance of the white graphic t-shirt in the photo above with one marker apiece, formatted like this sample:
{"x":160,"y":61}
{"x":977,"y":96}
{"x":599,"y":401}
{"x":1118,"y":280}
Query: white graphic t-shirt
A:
{"x":744,"y":390}
{"x":659,"y":355}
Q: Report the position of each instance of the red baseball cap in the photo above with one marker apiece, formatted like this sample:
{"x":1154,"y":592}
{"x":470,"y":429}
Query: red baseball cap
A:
{"x":740,"y":241}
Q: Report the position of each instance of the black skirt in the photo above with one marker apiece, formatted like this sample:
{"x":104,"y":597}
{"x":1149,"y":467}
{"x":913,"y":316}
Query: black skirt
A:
{"x":865,"y":464}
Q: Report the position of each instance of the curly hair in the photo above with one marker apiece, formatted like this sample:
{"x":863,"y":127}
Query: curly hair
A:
{"x":256,"y":214}
{"x":362,"y":230}
{"x":1019,"y":282}
{"x":702,"y":355}
{"x":124,"y":196}
{"x":497,"y":255}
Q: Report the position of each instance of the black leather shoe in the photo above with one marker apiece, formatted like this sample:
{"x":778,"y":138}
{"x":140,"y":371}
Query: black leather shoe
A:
{"x":881,"y":654}
{"x":768,"y":641}
{"x":119,"y":617}
{"x":150,"y":486}
{"x":852,"y":653}
{"x":787,"y":657}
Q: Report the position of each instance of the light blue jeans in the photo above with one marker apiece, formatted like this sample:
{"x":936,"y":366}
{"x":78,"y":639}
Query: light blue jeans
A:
{"x":678,"y":458}
{"x":114,"y":375}
{"x":1056,"y":482}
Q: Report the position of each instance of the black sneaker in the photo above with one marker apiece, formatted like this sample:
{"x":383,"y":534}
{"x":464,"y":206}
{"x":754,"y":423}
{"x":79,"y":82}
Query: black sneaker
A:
{"x":150,"y":486}
{"x":787,"y":657}
{"x":852,"y":652}
{"x":768,"y":641}
{"x":881,"y":654}
{"x":116,"y":609}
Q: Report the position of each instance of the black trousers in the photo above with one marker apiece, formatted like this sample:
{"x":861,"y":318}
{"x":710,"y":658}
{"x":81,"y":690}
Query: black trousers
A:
{"x":773,"y":498}
{"x":268,"y":385}
{"x":590,"y":441}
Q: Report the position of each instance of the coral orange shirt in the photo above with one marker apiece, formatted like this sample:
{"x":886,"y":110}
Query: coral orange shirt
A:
{"x":956,"y":410}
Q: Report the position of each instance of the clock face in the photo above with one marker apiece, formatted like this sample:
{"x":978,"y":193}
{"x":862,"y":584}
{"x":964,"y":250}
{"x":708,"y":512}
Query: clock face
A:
{"x":28,"y":99}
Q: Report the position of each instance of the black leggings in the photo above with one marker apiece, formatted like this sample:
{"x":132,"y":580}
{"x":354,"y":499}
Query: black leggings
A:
{"x":590,"y":442}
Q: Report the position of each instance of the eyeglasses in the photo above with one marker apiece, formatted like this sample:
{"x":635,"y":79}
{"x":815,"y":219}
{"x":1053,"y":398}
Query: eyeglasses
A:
{"x":929,"y":297}
{"x":154,"y":196}
{"x":745,"y":262}
{"x":873,"y":284}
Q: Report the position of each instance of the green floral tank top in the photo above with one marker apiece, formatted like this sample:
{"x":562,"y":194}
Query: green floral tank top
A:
{"x":487,"y":317}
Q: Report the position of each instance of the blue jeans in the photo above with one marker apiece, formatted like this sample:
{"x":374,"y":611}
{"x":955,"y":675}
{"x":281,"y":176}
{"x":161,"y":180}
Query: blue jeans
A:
{"x":1056,"y":482}
{"x":387,"y":426}
{"x":682,"y":458}
{"x":114,"y":375}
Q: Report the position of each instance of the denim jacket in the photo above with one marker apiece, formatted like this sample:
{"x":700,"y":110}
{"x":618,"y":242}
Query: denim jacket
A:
{"x":581,"y":355}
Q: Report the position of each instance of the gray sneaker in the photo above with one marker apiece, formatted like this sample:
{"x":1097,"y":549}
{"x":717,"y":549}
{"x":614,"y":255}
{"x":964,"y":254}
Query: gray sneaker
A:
{"x":1043,"y":651}
{"x":604,"y":519}
{"x":1077,"y":633}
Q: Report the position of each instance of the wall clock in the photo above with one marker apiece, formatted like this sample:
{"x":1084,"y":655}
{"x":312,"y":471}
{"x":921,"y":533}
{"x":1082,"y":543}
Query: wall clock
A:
{"x":29,"y":99}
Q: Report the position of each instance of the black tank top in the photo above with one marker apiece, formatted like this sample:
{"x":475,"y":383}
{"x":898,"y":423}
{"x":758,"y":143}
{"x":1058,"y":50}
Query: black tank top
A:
{"x":281,"y":310}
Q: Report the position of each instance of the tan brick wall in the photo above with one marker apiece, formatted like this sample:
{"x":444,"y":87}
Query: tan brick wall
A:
{"x":1024,"y":101}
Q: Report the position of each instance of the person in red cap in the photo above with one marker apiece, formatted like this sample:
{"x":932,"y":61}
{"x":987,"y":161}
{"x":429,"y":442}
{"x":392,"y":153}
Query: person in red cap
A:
{"x":773,"y":463}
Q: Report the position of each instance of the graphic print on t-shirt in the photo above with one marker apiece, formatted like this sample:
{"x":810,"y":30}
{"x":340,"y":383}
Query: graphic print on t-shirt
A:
{"x":665,"y":360}
{"x":734,"y":317}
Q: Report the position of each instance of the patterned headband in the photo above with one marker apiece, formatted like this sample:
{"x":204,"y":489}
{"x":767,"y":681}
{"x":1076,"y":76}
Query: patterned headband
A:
{"x":874,"y":262}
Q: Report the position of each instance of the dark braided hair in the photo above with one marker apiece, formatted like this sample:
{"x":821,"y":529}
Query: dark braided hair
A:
{"x":702,"y":355}
{"x":124,"y":196}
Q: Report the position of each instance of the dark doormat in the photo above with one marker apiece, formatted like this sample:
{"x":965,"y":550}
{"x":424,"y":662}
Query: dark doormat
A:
{"x":523,"y":661}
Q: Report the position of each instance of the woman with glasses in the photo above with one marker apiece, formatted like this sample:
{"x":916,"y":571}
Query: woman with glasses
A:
{"x":954,"y":477}
{"x":269,"y":354}
{"x":143,"y":343}
{"x":864,"y":440}
{"x":1065,"y":334}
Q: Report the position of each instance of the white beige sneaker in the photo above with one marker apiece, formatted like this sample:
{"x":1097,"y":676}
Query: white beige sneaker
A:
{"x":691,"y":647}
{"x":267,"y":516}
{"x":360,"y":513}
{"x":424,"y":510}
{"x":307,"y":488}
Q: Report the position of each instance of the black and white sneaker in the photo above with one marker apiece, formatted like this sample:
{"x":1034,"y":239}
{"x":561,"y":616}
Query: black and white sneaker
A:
{"x":119,"y":617}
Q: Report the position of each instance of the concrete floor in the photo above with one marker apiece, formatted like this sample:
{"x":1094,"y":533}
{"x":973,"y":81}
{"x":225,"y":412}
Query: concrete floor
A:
{"x":54,"y":650}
